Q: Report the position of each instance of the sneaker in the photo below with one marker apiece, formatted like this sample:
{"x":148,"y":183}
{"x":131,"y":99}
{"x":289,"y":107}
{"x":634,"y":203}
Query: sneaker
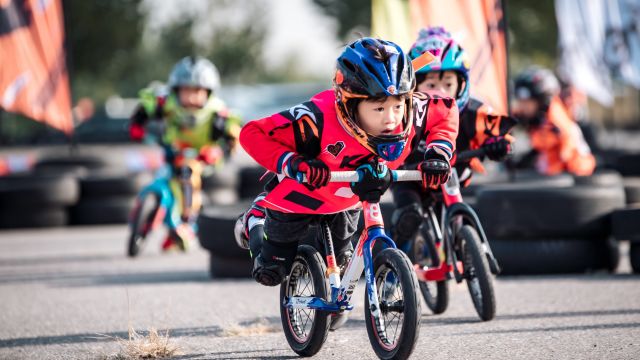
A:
{"x":255,"y":215}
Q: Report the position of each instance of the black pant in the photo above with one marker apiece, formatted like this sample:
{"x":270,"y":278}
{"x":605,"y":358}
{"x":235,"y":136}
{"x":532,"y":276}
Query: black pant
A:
{"x":285,"y":231}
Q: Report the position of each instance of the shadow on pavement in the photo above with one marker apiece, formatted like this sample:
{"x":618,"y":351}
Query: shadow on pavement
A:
{"x":101,"y":279}
{"x":555,"y":328}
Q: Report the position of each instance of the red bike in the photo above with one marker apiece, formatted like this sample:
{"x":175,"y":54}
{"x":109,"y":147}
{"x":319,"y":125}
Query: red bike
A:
{"x":452,"y":244}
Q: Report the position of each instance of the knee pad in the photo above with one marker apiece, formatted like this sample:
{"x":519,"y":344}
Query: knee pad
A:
{"x":407,"y":220}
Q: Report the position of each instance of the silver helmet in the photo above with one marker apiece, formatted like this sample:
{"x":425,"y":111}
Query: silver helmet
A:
{"x":196,"y":72}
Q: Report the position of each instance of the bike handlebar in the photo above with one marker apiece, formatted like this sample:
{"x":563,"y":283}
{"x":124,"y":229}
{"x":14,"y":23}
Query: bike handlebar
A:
{"x":398,"y":175}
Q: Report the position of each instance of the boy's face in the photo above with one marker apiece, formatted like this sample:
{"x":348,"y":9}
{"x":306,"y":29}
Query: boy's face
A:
{"x":192,"y":98}
{"x":526,"y":108}
{"x":381,"y":117}
{"x":446,"y":82}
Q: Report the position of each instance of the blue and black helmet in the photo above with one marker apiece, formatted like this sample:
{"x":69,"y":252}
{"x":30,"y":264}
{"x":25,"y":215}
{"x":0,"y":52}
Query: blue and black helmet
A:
{"x":371,"y":68}
{"x":450,"y":56}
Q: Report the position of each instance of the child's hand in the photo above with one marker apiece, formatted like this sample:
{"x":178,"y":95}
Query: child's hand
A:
{"x":374,"y":181}
{"x":435,"y":169}
{"x":316,"y":171}
{"x":136,"y":132}
{"x":497,"y":148}
{"x":210,"y":154}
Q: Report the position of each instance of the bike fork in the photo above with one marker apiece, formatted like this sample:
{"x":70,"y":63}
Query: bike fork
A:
{"x":333,"y":271}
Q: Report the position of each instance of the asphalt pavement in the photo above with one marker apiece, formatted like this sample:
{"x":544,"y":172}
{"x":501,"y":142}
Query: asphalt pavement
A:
{"x":70,"y":293}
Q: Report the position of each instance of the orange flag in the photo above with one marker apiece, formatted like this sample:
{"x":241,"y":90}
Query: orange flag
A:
{"x":33,"y":72}
{"x":477,"y":25}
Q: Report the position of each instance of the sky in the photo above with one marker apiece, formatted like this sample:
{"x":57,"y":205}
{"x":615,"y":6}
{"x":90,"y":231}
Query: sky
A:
{"x":296,"y":28}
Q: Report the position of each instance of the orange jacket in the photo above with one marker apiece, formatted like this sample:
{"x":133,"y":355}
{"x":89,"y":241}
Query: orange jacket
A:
{"x":560,"y":144}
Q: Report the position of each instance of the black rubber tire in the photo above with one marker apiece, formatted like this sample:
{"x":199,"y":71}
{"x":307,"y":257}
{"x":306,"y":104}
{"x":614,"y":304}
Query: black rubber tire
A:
{"x":215,"y":230}
{"x":523,"y":212}
{"x":25,"y":217}
{"x":476,"y":267}
{"x":625,"y":223}
{"x":72,"y":162}
{"x":634,"y":257}
{"x":600,"y":178}
{"x":140,"y":217}
{"x":521,"y":179}
{"x":551,"y":256}
{"x":29,"y":190}
{"x":98,"y":211}
{"x":219,"y":197}
{"x":221,"y":267}
{"x":394,"y":260}
{"x":307,"y":261}
{"x":107,"y":184}
{"x":436,"y":293}
{"x":632,"y":189}
{"x":250,"y":185}
{"x":628,"y":164}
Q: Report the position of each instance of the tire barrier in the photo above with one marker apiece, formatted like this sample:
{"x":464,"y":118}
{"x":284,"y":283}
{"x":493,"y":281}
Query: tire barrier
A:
{"x":554,"y":256}
{"x":107,"y":197}
{"x":250,"y":185}
{"x":215,"y":233}
{"x":632,"y":189}
{"x":552,"y":230}
{"x":36,"y":200}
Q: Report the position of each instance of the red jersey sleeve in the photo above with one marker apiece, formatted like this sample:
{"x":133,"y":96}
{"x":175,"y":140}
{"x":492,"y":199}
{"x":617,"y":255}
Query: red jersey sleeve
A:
{"x":268,"y":141}
{"x":437,"y":116}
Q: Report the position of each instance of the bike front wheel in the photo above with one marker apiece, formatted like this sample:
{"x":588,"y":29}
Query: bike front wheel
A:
{"x":425,"y":253}
{"x":477,"y":273}
{"x":140,"y":223}
{"x":394,"y":334}
{"x":305,"y":329}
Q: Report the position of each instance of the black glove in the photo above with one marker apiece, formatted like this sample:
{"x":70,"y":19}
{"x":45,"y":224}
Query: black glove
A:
{"x":316,"y":171}
{"x":375,"y":179}
{"x":435,"y":169}
{"x":496,"y":148}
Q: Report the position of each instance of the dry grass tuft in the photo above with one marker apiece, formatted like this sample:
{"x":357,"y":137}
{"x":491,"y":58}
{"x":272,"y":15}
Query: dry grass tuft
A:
{"x":153,"y":345}
{"x":259,"y":327}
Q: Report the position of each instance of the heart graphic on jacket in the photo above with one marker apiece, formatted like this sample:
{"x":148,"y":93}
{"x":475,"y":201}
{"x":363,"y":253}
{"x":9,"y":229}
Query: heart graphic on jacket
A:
{"x":335,"y":149}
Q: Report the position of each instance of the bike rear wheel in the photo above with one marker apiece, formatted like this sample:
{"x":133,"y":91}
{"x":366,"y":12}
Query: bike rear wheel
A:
{"x":400,"y":313}
{"x":424,"y":253}
{"x":476,"y":273}
{"x":305,"y":329}
{"x":140,"y":223}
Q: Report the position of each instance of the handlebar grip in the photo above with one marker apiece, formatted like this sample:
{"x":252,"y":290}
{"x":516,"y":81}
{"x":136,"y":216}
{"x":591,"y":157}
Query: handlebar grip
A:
{"x":470,"y":154}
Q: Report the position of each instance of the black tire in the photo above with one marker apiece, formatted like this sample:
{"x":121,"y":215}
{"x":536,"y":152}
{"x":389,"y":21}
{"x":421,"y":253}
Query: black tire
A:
{"x":99,"y":211}
{"x":31,"y":190}
{"x":634,"y":257}
{"x":476,"y":272}
{"x":600,"y":178}
{"x":624,"y":223}
{"x":632,"y":189}
{"x":628,"y":164}
{"x":403,"y":279}
{"x":108,"y":184}
{"x":215,"y":230}
{"x":225,"y":268}
{"x":71,"y":162}
{"x":307,"y":267}
{"x":423,"y":252}
{"x":521,"y":179}
{"x":524,"y":212}
{"x":25,"y":217}
{"x":225,"y":177}
{"x":141,"y":217}
{"x":550,"y":256}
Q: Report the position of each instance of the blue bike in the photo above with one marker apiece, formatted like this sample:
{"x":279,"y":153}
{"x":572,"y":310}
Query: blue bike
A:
{"x":314,"y":298}
{"x":163,"y":202}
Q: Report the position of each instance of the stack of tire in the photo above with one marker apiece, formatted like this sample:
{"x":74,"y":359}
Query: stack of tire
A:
{"x":625,"y":222}
{"x":220,"y":187}
{"x":106,"y":189}
{"x":552,"y":225}
{"x":107,"y":196}
{"x":37,"y":199}
{"x":215,"y":232}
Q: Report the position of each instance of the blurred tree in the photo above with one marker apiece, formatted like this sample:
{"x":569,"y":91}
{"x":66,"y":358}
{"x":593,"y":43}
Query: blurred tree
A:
{"x":352,"y":15}
{"x":533,"y":33}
